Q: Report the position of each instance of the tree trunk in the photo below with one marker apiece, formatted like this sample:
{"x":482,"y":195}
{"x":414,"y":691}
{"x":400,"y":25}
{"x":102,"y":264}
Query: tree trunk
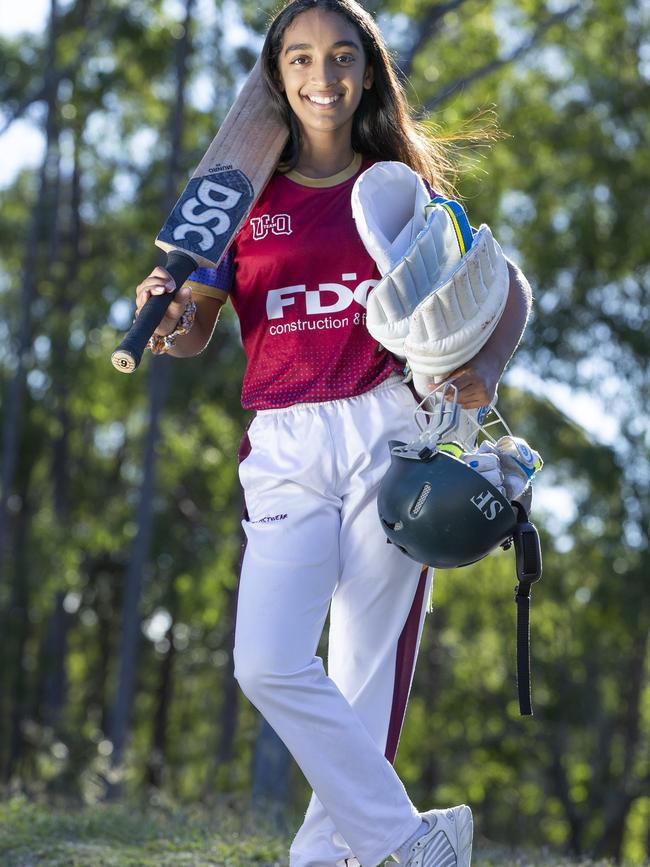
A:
{"x":230,"y":687}
{"x":159,"y":739}
{"x":17,"y":633}
{"x":66,"y":299}
{"x":130,"y":632}
{"x":271,"y":765}
{"x":556,"y":771}
{"x":431,"y":674}
{"x":53,"y":682}
{"x":103,"y":579}
{"x":219,"y":773}
{"x":230,"y":692}
{"x":157,"y":389}
{"x":53,"y":691}
{"x":619,"y":800}
{"x":611,"y":842}
{"x":42,"y":215}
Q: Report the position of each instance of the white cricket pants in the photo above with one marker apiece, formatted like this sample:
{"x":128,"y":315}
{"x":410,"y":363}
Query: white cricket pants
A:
{"x":315,"y":542}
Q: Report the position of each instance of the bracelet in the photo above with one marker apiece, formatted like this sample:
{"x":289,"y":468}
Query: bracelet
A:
{"x":161,"y":343}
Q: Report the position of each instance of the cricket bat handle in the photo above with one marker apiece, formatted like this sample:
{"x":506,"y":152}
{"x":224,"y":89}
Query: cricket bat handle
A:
{"x":128,"y":354}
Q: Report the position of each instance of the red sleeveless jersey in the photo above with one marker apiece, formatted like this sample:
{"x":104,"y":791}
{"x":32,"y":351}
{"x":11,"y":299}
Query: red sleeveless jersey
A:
{"x":300,"y":280}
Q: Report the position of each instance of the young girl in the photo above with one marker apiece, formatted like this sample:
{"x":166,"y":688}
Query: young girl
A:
{"x":327,"y":400}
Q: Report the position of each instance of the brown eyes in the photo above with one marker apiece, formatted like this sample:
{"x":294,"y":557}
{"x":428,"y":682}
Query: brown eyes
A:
{"x":341,"y":59}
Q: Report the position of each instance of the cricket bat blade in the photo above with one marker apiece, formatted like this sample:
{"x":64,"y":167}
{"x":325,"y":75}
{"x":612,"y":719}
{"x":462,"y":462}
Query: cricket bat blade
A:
{"x":215,"y":203}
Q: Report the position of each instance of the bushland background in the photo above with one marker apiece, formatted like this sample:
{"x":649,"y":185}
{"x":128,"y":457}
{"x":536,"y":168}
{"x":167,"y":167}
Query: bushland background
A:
{"x":119,"y":515}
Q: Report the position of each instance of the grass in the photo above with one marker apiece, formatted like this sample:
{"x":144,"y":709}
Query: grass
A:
{"x":38,"y":835}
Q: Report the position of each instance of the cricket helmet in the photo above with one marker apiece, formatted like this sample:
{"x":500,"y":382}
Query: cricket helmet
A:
{"x":434,"y":506}
{"x":440,"y":511}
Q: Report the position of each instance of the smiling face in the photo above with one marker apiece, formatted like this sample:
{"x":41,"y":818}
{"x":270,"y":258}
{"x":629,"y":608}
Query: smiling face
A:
{"x":323,"y":71}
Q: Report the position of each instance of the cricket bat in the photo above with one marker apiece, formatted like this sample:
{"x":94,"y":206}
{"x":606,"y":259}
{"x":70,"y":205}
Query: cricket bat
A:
{"x":215,"y":203}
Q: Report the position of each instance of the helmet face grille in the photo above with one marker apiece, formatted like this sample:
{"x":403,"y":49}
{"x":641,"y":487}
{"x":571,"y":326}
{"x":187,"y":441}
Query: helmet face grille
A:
{"x":421,"y":500}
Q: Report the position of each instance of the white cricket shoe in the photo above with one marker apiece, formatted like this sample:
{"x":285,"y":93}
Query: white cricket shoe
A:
{"x":448,"y":843}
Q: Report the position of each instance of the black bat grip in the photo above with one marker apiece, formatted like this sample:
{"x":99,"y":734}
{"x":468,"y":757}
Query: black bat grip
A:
{"x":128,"y":354}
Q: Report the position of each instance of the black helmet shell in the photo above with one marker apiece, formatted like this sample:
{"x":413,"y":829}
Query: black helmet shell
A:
{"x":441,"y":512}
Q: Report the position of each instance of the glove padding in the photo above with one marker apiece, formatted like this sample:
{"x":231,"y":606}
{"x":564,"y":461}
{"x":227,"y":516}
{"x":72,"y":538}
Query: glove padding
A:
{"x":488,"y":465}
{"x":442,"y":291}
{"x":388,"y":205}
{"x":509,"y":464}
{"x":416,"y":245}
{"x":456,"y":319}
{"x":519,"y":463}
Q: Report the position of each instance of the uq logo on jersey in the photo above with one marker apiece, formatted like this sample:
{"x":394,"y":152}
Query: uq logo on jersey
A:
{"x":327,"y":298}
{"x":207,"y":214}
{"x":276,"y":224}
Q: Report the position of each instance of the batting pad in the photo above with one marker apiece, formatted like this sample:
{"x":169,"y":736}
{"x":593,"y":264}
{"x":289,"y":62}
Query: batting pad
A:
{"x":453,"y":323}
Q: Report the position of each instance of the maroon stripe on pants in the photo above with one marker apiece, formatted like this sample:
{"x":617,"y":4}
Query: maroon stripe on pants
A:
{"x":404,"y":665}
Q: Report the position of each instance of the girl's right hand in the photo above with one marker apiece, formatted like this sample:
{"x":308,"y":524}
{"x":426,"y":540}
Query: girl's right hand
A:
{"x":157,"y":283}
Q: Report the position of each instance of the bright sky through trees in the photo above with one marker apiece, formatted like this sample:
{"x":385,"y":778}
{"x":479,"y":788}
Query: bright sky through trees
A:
{"x":22,"y":144}
{"x":28,"y":16}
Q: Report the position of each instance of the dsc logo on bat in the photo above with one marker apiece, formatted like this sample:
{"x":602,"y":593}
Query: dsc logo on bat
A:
{"x":206,"y":216}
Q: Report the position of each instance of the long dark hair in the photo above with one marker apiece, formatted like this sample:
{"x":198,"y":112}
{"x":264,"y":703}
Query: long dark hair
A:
{"x":383,"y":127}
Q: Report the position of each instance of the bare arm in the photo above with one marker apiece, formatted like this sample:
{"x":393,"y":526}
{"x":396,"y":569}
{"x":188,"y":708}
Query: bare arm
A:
{"x":477,"y":380}
{"x":207,"y":312}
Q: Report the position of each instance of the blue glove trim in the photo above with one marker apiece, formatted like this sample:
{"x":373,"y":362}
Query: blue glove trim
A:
{"x":459,"y":219}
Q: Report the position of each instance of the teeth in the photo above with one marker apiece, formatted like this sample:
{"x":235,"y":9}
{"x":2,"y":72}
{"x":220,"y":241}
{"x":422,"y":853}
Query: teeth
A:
{"x":323,"y":100}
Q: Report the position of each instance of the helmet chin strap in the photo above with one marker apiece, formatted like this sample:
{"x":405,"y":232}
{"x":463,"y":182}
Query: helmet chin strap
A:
{"x":528,"y":559}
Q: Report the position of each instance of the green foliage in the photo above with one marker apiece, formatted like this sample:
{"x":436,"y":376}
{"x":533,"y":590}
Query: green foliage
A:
{"x":564,"y":189}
